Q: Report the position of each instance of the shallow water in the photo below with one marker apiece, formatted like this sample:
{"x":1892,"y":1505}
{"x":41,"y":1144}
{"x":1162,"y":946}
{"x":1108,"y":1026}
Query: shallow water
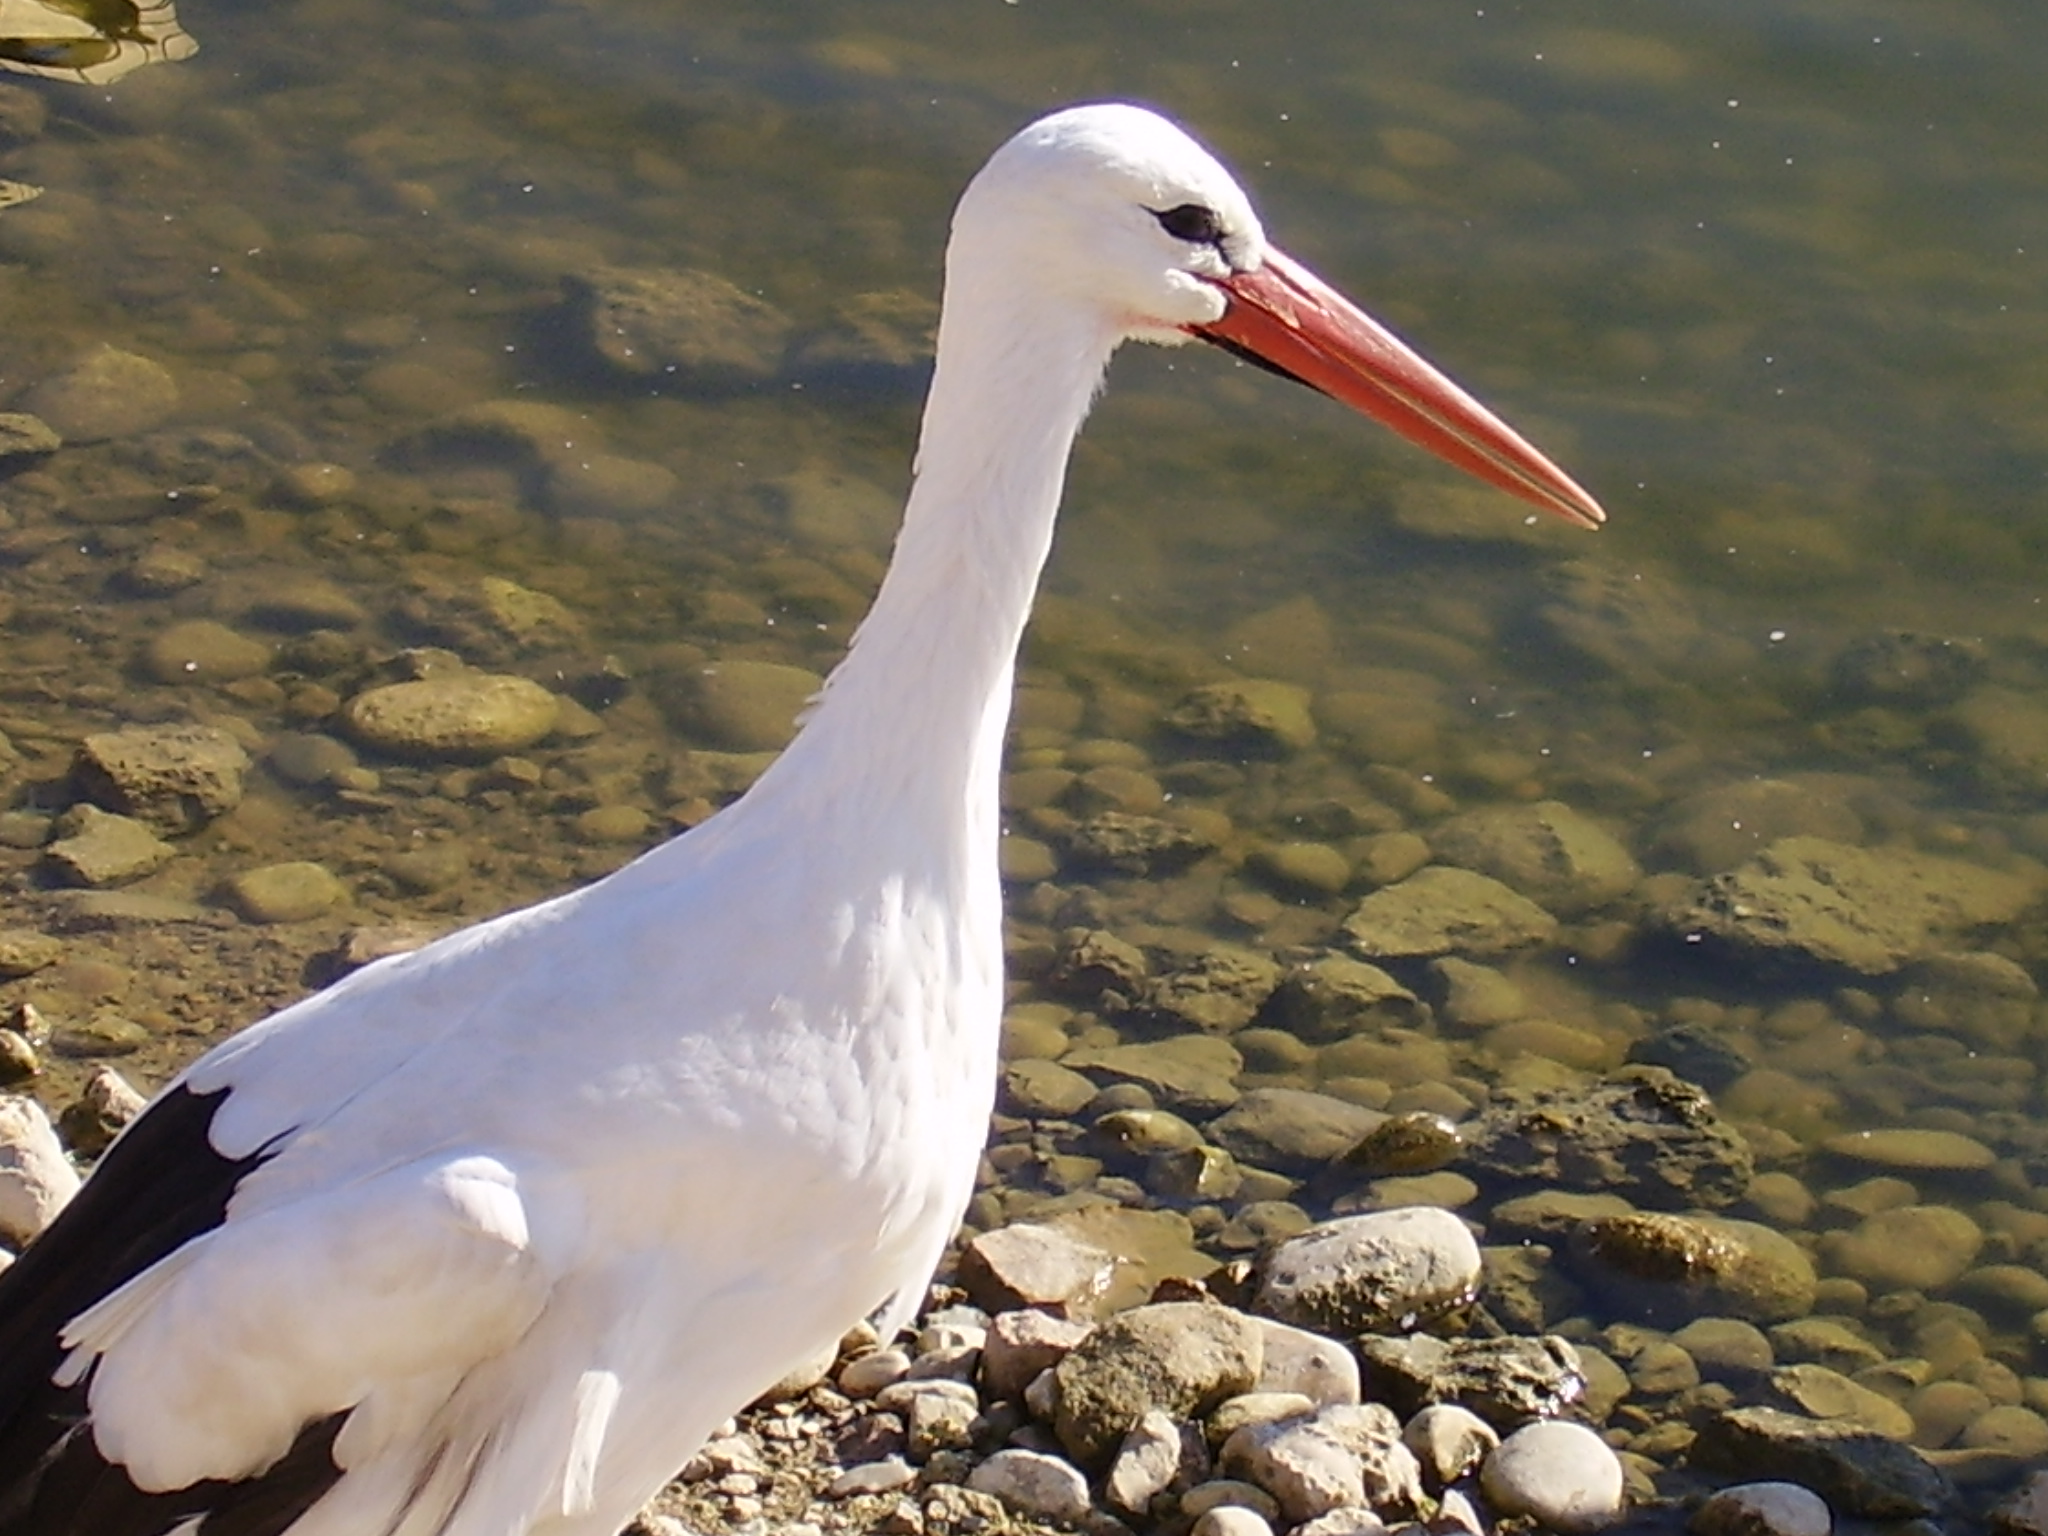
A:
{"x":1768,"y":278}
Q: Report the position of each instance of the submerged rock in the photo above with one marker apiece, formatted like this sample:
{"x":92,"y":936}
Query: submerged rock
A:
{"x":1641,"y":1133}
{"x":1671,"y":1268}
{"x":1439,"y":911}
{"x":1870,"y":910}
{"x":174,"y":777}
{"x":1853,"y":1467}
{"x":456,"y":715}
{"x":1547,"y":851}
{"x":651,"y":321}
{"x":106,"y":393}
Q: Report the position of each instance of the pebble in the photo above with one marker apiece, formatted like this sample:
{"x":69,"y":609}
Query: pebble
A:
{"x":106,"y":393}
{"x":1026,"y":1265}
{"x":1763,"y":1509}
{"x":1561,"y":1473}
{"x":107,"y":1103}
{"x":174,"y":777}
{"x":452,"y":716}
{"x":1298,"y":1360}
{"x":1159,"y":1453}
{"x":884,"y":1476}
{"x":1352,"y":1520}
{"x":1231,"y":1520}
{"x":36,"y":1179}
{"x":1448,"y":1442}
{"x":1034,"y":1484}
{"x":203,"y":651}
{"x":865,"y":1375}
{"x":1913,"y":1149}
{"x":1228,"y":1493}
{"x":1339,"y":1456}
{"x":1913,"y":1247}
{"x":1361,"y":1273}
{"x":95,"y":847}
{"x":1291,"y":1130}
{"x":285,"y":893}
{"x":24,"y":951}
{"x":748,"y":706}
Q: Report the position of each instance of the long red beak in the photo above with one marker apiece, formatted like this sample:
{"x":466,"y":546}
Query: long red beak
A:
{"x":1285,"y":316}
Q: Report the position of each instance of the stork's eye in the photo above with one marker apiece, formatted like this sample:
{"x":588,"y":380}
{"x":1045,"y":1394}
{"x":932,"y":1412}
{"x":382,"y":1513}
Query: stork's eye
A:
{"x":1191,"y":222}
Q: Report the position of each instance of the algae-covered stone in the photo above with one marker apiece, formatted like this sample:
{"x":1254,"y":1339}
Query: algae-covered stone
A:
{"x":1910,"y":1247}
{"x":1668,"y":1267}
{"x":1853,"y":1467}
{"x":1640,"y":1133}
{"x":1180,"y":1357}
{"x":1333,"y":996}
{"x":1255,"y":714}
{"x":1913,"y":1148}
{"x":1440,"y":910}
{"x":1219,"y":991}
{"x":457,"y":715}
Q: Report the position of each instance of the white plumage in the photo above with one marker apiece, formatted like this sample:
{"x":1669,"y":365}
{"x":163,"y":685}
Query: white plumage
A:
{"x":537,"y":1207}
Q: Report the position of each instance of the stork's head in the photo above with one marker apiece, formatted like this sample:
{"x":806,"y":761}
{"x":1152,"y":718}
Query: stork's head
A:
{"x":1115,"y":211}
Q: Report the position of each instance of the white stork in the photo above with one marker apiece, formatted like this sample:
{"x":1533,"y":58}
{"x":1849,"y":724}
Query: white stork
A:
{"x":486,"y":1239}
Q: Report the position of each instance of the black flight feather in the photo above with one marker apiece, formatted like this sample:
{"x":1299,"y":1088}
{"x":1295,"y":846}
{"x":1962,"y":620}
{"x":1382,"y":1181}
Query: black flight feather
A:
{"x":158,"y":1187}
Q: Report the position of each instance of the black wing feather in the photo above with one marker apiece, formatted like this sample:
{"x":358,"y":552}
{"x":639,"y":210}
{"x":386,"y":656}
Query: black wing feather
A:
{"x":158,"y":1187}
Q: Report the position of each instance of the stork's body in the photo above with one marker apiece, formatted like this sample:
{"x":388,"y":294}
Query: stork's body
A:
{"x":486,"y":1239}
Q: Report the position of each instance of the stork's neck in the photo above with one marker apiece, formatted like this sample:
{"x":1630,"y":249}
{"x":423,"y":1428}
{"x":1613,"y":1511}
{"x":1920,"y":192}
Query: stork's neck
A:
{"x":905,"y":745}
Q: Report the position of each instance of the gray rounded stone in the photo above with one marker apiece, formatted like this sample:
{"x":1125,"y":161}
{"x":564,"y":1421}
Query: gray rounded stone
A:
{"x":1560,"y":1473}
{"x":1033,"y":1483}
{"x":285,"y":893}
{"x":452,"y":716}
{"x":106,"y":393}
{"x":748,"y":706}
{"x":1763,"y":1509}
{"x":1362,"y":1273}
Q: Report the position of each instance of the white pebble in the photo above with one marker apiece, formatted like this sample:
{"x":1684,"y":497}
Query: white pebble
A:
{"x":1321,"y":1370}
{"x":1033,"y":1483}
{"x":1448,"y":1440}
{"x":36,"y":1179}
{"x":1562,"y":1474}
{"x":884,"y":1476}
{"x":1763,"y":1509}
{"x":1231,"y":1520}
{"x":867,"y":1374}
{"x":1356,"y":1520}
